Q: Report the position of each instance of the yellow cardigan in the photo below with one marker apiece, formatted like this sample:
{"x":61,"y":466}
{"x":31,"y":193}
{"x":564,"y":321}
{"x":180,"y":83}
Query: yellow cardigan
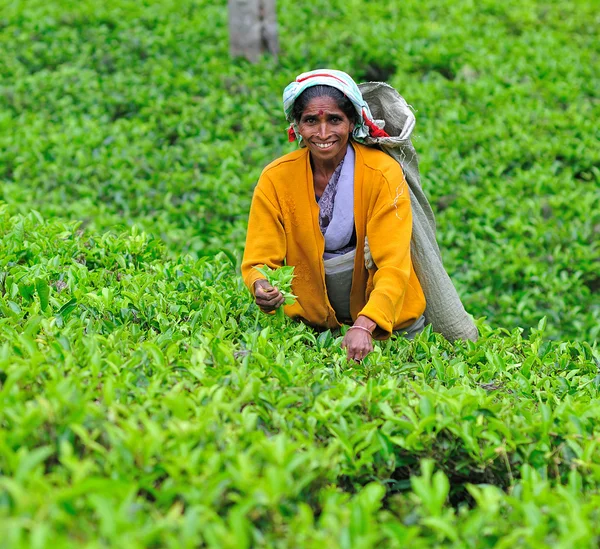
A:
{"x":283,"y":228}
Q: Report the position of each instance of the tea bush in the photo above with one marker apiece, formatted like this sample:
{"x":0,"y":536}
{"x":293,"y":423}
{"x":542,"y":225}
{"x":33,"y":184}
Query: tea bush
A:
{"x":125,"y":113}
{"x":147,"y":402}
{"x":144,"y":399}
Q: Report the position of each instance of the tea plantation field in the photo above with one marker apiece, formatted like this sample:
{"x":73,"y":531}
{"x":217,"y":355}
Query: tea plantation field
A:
{"x":146,"y":402}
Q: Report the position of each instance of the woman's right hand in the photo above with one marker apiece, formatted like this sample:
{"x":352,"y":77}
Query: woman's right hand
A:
{"x":267,"y":297}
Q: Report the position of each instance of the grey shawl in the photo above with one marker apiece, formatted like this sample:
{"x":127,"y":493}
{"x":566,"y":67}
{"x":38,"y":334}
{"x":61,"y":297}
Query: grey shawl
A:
{"x":444,"y":311}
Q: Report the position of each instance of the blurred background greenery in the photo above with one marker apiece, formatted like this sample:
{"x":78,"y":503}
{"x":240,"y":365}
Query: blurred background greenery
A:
{"x":125,"y":112}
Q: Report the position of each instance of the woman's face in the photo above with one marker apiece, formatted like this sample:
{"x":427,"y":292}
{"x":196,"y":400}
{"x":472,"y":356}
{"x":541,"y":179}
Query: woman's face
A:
{"x":325,"y":129}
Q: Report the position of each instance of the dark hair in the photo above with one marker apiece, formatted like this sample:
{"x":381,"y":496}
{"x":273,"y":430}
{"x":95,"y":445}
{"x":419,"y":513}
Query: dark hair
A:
{"x":343,"y":103}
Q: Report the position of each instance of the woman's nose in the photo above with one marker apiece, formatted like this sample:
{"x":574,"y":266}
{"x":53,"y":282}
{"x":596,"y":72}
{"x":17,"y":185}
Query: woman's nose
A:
{"x":323,"y":131}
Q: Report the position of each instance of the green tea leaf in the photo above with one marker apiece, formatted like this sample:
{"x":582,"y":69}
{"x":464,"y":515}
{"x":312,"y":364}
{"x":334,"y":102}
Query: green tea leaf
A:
{"x":43,"y":292}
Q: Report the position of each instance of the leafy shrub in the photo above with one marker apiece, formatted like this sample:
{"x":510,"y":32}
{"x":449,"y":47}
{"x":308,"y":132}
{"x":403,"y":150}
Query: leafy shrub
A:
{"x":145,"y":401}
{"x":131,"y":114}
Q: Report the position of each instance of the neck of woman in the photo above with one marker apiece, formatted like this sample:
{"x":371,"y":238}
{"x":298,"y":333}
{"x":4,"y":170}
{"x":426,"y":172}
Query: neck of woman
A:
{"x":325,"y":168}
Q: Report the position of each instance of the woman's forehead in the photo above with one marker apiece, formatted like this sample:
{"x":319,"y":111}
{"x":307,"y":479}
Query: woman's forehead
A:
{"x":322,"y":104}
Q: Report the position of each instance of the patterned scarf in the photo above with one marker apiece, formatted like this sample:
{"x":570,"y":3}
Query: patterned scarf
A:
{"x":327,"y":200}
{"x":336,"y":208}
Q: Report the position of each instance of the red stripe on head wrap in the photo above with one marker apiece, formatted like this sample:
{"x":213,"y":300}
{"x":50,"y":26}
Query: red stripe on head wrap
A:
{"x":320,"y":74}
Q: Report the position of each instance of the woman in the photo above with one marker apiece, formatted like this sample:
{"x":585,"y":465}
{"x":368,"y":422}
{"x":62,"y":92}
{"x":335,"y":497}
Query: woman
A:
{"x":318,"y":207}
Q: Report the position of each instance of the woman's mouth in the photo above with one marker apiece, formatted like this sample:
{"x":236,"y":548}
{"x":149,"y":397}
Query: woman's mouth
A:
{"x":324,"y":146}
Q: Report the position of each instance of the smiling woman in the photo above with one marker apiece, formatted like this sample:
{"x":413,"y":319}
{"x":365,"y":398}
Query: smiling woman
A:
{"x":325,"y":118}
{"x":318,"y":208}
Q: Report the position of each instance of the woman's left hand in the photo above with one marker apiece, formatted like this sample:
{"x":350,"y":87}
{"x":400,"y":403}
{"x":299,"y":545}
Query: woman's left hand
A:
{"x":358,"y":342}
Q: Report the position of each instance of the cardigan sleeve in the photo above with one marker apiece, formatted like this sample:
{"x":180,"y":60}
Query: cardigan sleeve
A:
{"x":265,"y":239}
{"x":389,"y":230}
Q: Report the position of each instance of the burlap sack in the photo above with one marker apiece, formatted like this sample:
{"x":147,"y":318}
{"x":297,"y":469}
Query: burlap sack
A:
{"x":444,"y":311}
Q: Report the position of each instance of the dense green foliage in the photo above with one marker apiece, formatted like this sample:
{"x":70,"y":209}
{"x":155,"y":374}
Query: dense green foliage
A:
{"x":117,"y":112}
{"x":146,"y":402}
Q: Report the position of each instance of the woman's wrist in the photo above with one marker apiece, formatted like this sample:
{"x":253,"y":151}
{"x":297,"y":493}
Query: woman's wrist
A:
{"x":361,"y":328}
{"x":365,"y":323}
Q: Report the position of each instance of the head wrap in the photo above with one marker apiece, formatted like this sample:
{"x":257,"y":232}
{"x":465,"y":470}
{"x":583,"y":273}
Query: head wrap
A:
{"x":365,"y":125}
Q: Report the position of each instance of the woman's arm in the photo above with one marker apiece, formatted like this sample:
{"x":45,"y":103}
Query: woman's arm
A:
{"x":389,"y":231}
{"x":265,"y":241}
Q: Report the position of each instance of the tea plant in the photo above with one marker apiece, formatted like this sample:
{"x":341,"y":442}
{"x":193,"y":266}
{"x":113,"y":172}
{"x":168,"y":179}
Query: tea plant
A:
{"x":139,"y":406}
{"x":122,"y":114}
{"x":144,"y":399}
